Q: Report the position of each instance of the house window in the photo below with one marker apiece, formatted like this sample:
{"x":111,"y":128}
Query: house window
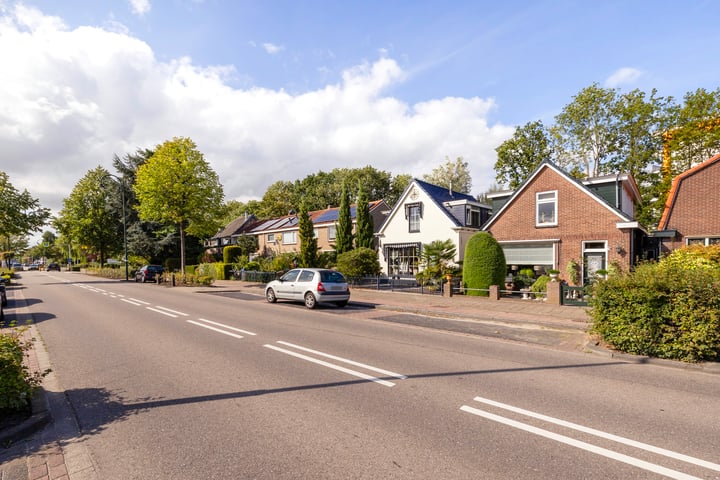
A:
{"x":413,"y":213}
{"x":331,"y":233}
{"x":315,"y":233}
{"x":288,"y":238}
{"x":473,"y":217}
{"x":703,"y":241}
{"x":271,"y":238}
{"x":546,"y":209}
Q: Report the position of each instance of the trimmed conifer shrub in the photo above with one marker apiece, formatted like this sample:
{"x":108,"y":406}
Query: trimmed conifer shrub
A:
{"x":483,"y":265}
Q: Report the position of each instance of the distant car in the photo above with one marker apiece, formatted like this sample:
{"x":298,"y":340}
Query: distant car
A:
{"x":311,"y":286}
{"x":148,"y":273}
{"x":53,"y":266}
{"x":33,"y":266}
{"x":16,"y":267}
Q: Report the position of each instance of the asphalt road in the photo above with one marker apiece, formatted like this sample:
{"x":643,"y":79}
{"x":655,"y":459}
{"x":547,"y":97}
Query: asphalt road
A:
{"x":167,"y":383}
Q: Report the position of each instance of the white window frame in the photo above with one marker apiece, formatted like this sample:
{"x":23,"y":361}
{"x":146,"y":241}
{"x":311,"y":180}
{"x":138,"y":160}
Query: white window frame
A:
{"x":705,"y":241}
{"x":332,"y":233}
{"x":543,"y":199}
{"x":414,"y":217}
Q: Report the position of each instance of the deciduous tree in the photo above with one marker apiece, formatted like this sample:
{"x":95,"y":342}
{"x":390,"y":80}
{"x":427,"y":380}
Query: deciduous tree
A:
{"x":177,"y":186}
{"x":453,"y":175}
{"x":518,"y":156}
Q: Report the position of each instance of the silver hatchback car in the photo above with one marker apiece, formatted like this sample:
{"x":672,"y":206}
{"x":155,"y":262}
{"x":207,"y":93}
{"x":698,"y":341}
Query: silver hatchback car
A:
{"x":310,"y":285}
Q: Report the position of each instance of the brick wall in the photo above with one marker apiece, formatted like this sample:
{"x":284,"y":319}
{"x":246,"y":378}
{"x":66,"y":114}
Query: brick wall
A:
{"x":581,"y":217}
{"x":696,"y":212}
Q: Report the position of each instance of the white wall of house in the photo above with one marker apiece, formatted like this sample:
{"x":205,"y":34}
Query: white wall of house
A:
{"x":434,"y":225}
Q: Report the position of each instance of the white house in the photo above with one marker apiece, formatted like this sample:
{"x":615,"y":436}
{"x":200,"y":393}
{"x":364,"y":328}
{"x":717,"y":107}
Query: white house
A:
{"x":425,"y":213}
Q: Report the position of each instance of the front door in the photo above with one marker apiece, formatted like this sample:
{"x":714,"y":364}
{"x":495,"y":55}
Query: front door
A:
{"x":594,"y":259}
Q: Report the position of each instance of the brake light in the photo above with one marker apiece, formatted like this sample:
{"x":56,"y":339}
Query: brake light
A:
{"x":320,"y":287}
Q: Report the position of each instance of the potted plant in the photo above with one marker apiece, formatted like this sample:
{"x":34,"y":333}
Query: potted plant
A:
{"x":553,"y":274}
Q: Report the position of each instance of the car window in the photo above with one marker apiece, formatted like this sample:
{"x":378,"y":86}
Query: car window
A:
{"x":331,"y":276}
{"x":306,"y":276}
{"x":290,"y":276}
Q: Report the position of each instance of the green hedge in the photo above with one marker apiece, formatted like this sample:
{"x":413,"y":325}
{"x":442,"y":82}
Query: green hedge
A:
{"x":17,"y":383}
{"x":666,"y":310}
{"x":483,"y":265}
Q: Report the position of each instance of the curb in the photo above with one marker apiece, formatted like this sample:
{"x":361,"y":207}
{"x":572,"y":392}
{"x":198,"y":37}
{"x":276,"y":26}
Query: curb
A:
{"x":39,"y":418}
{"x":705,"y":367}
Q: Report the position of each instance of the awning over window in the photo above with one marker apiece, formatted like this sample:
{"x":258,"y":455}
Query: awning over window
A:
{"x":529,"y":254}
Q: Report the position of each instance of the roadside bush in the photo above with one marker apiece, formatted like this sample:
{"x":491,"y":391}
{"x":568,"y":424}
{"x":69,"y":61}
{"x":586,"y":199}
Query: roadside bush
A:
{"x":484,"y":264}
{"x":668,"y":310}
{"x":358,"y":262}
{"x":539,"y":287}
{"x":17,"y":383}
{"x":231,"y":253}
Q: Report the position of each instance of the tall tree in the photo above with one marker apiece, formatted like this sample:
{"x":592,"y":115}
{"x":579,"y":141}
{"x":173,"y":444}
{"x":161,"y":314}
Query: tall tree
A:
{"x":453,"y":175}
{"x":518,"y":156}
{"x":20,"y":214}
{"x":177,"y":186}
{"x":587,"y":130}
{"x":694,"y":134}
{"x":87,"y":217}
{"x":279,"y":199}
{"x":364,"y":227}
{"x":343,"y":233}
{"x":308,"y":241}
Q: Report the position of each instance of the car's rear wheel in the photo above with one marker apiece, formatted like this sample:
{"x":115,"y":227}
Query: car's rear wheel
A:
{"x":310,"y":301}
{"x":341,"y":304}
{"x":270,"y":295}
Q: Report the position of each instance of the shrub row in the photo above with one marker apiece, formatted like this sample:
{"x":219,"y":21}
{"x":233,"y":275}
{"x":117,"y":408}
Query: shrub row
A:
{"x":668,"y":310}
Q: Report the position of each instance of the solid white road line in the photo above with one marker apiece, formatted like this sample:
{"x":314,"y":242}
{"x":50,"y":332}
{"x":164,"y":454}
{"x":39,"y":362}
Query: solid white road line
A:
{"x":399,"y":376}
{"x":139,"y":301}
{"x":582,"y":445}
{"x":605,"y":435}
{"x":224,"y":332}
{"x":330,"y":365}
{"x":227,"y":326}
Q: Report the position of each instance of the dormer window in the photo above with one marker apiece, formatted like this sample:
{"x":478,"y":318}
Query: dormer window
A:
{"x":473,"y":217}
{"x":546,"y":209}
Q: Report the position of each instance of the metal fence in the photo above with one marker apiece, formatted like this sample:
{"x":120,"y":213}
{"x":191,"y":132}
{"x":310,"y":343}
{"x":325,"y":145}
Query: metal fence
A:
{"x":575,"y":296}
{"x":409,"y":285}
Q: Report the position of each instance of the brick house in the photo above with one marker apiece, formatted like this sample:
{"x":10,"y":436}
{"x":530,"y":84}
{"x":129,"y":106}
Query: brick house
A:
{"x":553,"y":219}
{"x":228,"y":235}
{"x":425,"y":213}
{"x":282,"y":234}
{"x":691,"y":213}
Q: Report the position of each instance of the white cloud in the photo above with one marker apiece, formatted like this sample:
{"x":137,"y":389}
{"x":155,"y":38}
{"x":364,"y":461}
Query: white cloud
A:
{"x":623,"y":76}
{"x":273,"y":49}
{"x":140,"y":7}
{"x":72,"y":99}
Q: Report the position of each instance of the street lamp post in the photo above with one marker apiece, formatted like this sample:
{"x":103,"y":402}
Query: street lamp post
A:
{"x":122,"y":199}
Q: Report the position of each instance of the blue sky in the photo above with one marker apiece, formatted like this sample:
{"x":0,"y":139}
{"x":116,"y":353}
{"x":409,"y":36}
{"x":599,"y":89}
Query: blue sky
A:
{"x":276,"y":90}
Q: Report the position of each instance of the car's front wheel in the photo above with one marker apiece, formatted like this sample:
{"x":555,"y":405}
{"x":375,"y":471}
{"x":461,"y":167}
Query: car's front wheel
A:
{"x":270,"y":295}
{"x":310,"y":301}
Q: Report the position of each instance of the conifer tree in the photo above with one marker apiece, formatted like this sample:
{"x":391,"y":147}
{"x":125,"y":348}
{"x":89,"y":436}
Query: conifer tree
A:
{"x":308,"y":242}
{"x":343,"y":234}
{"x":364,"y":237}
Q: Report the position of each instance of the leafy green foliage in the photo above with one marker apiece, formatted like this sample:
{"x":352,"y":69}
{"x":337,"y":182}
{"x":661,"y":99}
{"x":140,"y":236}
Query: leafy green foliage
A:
{"x":231,"y":253}
{"x":437,"y":259}
{"x":343,"y":233}
{"x":518,"y":156}
{"x":20,"y":214}
{"x":177,"y":186}
{"x":358,"y":262}
{"x":484,"y":264}
{"x":17,"y":382}
{"x":363,"y":220}
{"x":87,"y":217}
{"x":539,"y":286}
{"x":452,"y":175}
{"x":308,"y":242}
{"x":669,"y":310}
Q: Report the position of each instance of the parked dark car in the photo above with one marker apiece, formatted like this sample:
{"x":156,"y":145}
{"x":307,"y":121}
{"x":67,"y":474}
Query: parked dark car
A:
{"x":3,"y":294}
{"x":53,"y":266}
{"x":148,"y":273}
